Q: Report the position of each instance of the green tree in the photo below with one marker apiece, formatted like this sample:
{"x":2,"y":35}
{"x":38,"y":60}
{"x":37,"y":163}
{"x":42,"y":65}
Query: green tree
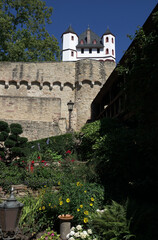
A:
{"x":23,"y":34}
{"x":12,"y":146}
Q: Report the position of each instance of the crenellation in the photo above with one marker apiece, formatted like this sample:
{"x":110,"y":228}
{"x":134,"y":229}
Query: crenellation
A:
{"x":36,"y":94}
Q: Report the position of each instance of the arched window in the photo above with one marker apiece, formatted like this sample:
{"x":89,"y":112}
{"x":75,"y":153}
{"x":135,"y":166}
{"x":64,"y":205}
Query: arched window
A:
{"x":72,"y":53}
{"x":107,"y":51}
{"x":72,"y":38}
{"x":107,"y":39}
{"x":112,"y":40}
{"x":112,"y":51}
{"x":94,"y":41}
{"x":81,"y":42}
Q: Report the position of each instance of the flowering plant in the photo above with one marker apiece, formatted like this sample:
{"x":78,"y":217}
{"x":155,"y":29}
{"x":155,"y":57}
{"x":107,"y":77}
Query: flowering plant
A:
{"x":50,"y":234}
{"x":79,"y":233}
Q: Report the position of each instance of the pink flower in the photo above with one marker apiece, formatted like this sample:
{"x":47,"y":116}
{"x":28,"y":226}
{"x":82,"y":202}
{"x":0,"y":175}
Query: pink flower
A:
{"x":43,"y":161}
{"x":68,"y":151}
{"x":38,"y":157}
{"x":72,"y":160}
{"x":52,"y":234}
{"x":33,"y":162}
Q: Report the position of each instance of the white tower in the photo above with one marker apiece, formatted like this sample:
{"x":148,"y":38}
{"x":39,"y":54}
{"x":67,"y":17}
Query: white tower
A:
{"x":69,"y":43}
{"x":108,"y":40}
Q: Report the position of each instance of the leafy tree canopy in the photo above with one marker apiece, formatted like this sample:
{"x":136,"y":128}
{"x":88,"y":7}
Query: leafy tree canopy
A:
{"x":23,"y":34}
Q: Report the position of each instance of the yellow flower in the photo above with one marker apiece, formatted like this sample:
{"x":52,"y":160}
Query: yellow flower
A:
{"x":78,"y":209}
{"x":68,"y":200}
{"x":59,"y":183}
{"x":85,"y":220}
{"x":85,"y":191}
{"x":43,"y":207}
{"x":49,"y":204}
{"x":40,"y":208}
{"x":86,"y":212}
{"x":78,"y":183}
{"x":45,"y":186}
{"x":91,"y":204}
{"x":61,"y":203}
{"x":81,"y":206}
{"x":92,"y":199}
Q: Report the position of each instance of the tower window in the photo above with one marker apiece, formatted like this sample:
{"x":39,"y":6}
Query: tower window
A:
{"x":90,"y":50}
{"x":98,"y":50}
{"x":112,"y":40}
{"x":72,"y":53}
{"x":112,"y":51}
{"x":107,"y":39}
{"x":72,"y":38}
{"x":82,"y":50}
{"x":81,"y":42}
{"x":94,"y":41}
{"x":107,"y":51}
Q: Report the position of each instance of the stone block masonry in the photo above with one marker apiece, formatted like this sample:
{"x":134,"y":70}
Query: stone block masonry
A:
{"x":36,"y":94}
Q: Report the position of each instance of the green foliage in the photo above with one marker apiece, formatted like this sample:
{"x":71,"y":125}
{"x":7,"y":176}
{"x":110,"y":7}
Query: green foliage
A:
{"x":12,"y":145}
{"x":49,"y":234}
{"x":57,"y":144}
{"x":91,"y":133}
{"x":79,"y":199}
{"x":23,"y":36}
{"x":111,"y":223}
{"x":28,"y":221}
{"x":10,"y":176}
{"x":4,"y":126}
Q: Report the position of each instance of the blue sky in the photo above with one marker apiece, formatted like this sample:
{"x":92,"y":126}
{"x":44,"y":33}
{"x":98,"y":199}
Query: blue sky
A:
{"x":121,"y":16}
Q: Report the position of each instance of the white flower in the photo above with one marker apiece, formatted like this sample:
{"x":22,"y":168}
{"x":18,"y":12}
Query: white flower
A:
{"x":72,"y":229}
{"x":77,"y":234}
{"x":71,"y":238}
{"x":71,"y":233}
{"x":89,"y":231}
{"x":82,"y":235}
{"x":79,"y":227}
{"x":67,"y":236}
{"x":94,"y":238}
{"x":85,"y":232}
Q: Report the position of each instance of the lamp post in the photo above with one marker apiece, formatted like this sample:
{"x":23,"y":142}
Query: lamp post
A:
{"x":70,"y":108}
{"x":10,"y":211}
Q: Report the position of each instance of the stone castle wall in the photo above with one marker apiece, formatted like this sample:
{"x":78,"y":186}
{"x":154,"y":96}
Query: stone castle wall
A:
{"x":36,"y":94}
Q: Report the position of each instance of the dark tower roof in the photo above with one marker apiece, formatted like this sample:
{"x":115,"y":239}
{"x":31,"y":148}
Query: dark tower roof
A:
{"x":89,"y":39}
{"x":107,"y":32}
{"x":69,"y":30}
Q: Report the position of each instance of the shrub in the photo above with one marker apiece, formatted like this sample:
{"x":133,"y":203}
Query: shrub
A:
{"x":111,"y":223}
{"x":12,"y":145}
{"x":80,"y":233}
{"x":79,"y":199}
{"x":49,"y":234}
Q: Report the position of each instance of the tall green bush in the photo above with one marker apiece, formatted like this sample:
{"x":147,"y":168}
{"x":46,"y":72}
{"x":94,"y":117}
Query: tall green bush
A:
{"x":12,"y":146}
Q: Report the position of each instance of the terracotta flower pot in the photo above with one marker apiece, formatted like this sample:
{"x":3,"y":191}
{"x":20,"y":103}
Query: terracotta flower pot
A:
{"x":65,"y":217}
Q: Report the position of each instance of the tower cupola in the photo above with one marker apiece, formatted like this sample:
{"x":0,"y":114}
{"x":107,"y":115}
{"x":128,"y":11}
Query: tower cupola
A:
{"x":69,"y":42}
{"x":108,"y":40}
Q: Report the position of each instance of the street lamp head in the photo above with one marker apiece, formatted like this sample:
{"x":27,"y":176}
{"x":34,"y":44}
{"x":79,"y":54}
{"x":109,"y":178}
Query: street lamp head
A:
{"x":70,"y":105}
{"x":10,"y":211}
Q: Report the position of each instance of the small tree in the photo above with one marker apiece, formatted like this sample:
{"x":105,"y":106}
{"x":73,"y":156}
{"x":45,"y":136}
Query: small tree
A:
{"x":12,"y":146}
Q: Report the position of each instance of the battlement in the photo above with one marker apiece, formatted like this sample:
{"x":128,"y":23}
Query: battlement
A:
{"x":37,"y":93}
